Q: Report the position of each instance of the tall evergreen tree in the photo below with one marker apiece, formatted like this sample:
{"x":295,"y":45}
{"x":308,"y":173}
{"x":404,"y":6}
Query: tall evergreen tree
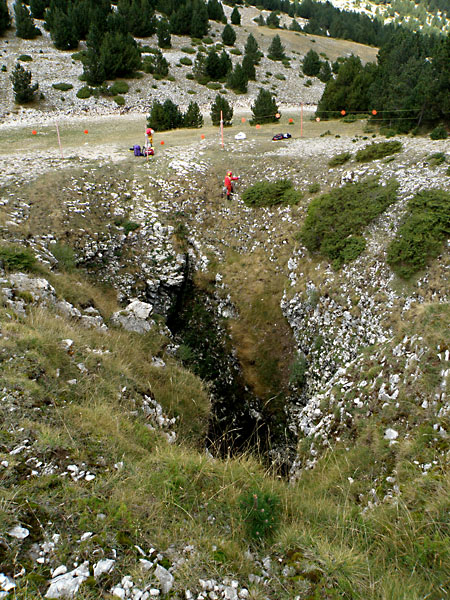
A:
{"x":5,"y":17}
{"x":276,"y":49}
{"x":199,"y":69}
{"x":180,"y":19}
{"x":22,"y":87}
{"x":226,"y":64}
{"x":273,"y":21}
{"x":199,"y":24}
{"x":156,"y":64}
{"x":163,"y":32}
{"x":220,"y":104}
{"x":249,"y":68}
{"x":94,"y":71}
{"x":311,"y":63}
{"x":325,"y":72}
{"x":264,"y":108}
{"x":119,"y":54}
{"x":213,"y":65}
{"x":165,"y":116}
{"x":215,"y":11}
{"x":237,"y":80}
{"x":37,"y":8}
{"x":252,"y":49}
{"x":228,"y":35}
{"x":25,"y":27}
{"x":193,"y":117}
{"x":235,"y":17}
{"x":63,"y":32}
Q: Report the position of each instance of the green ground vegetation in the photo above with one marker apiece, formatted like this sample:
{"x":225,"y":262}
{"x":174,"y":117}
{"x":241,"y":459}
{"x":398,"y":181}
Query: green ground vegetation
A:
{"x":335,"y":222}
{"x":423,"y":233}
{"x":269,"y":193}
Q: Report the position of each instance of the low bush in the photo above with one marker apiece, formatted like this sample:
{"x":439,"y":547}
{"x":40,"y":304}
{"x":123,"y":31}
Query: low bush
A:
{"x":119,"y":87}
{"x":16,"y":258}
{"x":63,"y":87}
{"x":387,"y":132}
{"x":214,"y":85}
{"x":378,"y":150}
{"x":339,"y":159}
{"x":188,"y":49}
{"x":335,"y":221}
{"x":314,"y":188}
{"x":439,"y":132}
{"x":350,"y":119}
{"x":64,"y":255}
{"x":436,"y":159}
{"x":25,"y":58}
{"x":235,"y":51}
{"x":84,"y":92}
{"x":119,"y":100}
{"x":187,"y":62}
{"x":280,"y":76}
{"x":268,"y":193}
{"x":260,"y":512}
{"x":423,"y":233}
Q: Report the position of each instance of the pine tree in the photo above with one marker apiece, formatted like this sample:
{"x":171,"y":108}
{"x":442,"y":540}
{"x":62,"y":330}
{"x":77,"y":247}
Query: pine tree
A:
{"x":260,"y":21}
{"x":193,"y":117}
{"x":213,"y":65}
{"x":22,"y":87}
{"x":226,"y":64}
{"x":199,"y":21}
{"x":249,"y":68}
{"x":273,"y":20}
{"x":5,"y":18}
{"x":235,"y":17}
{"x":156,"y":64}
{"x":165,"y":116}
{"x":94,"y":71}
{"x":252,"y":49}
{"x":325,"y":72}
{"x":63,"y":32}
{"x":37,"y":8}
{"x":265,"y":108}
{"x":276,"y":49}
{"x":215,"y":11}
{"x":119,"y":54}
{"x":163,"y":32}
{"x":199,"y":68}
{"x":237,"y":80}
{"x":25,"y":27}
{"x":228,"y":35}
{"x":311,"y":63}
{"x":220,"y":104}
{"x":180,"y":20}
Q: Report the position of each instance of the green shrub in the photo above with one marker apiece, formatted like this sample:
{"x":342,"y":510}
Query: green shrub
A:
{"x":64,"y":87}
{"x":423,"y":233}
{"x":378,"y":150}
{"x":84,"y":92}
{"x":339,"y":159}
{"x":187,"y":62}
{"x":388,"y":132}
{"x":188,"y":49}
{"x":314,"y":188}
{"x":207,"y":40}
{"x":260,"y":512}
{"x":350,"y":119}
{"x":297,"y":375}
{"x":266,"y":193}
{"x":119,"y":100}
{"x":235,"y":51}
{"x":28,"y":58}
{"x":436,"y":159}
{"x":214,"y":85}
{"x":335,"y":221}
{"x":439,"y":133}
{"x":129,"y":226}
{"x":16,"y":258}
{"x":78,"y":55}
{"x":280,"y":76}
{"x":119,"y":87}
{"x":64,"y":255}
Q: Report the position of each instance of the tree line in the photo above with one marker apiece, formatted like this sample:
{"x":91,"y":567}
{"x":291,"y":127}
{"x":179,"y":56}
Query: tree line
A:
{"x":409,"y":86}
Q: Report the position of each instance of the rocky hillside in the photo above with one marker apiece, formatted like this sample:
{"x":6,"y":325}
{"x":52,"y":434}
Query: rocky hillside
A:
{"x":194,"y":404}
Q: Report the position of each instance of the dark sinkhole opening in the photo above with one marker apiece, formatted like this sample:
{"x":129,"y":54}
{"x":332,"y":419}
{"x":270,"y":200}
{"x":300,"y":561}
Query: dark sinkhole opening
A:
{"x":240,"y":421}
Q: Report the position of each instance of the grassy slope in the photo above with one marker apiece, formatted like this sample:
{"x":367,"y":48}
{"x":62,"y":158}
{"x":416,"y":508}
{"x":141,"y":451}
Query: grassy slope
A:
{"x":332,"y":539}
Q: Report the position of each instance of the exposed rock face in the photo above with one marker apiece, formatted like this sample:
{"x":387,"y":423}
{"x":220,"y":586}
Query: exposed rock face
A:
{"x":135,"y":317}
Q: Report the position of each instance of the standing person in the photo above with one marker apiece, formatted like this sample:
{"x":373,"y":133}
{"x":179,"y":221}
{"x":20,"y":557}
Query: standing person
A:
{"x":149,"y":137}
{"x":229,"y":183}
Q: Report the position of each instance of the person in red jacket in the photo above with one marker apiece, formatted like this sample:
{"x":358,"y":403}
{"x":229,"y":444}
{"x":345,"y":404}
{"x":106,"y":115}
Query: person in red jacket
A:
{"x":228,"y":183}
